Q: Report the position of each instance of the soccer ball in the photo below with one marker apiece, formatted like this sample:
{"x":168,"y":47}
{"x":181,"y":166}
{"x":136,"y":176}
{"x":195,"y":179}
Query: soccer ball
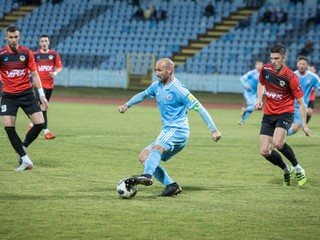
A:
{"x":125,"y":192}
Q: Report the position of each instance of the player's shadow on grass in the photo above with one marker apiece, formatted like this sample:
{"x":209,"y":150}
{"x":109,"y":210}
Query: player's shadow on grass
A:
{"x":194,"y":188}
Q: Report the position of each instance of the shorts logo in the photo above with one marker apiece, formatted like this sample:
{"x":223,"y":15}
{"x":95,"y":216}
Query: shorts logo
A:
{"x":169,"y":97}
{"x":282,"y":83}
{"x":191,"y":98}
{"x":3,"y":108}
{"x":22,"y":58}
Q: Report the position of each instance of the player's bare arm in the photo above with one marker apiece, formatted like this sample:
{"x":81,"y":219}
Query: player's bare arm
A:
{"x":303,"y":114}
{"x":37,"y":83}
{"x":55,"y":73}
{"x":260,"y":93}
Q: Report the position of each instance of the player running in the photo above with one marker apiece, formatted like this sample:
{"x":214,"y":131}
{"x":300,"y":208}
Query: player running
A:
{"x":15,"y":63}
{"x":49,"y":65}
{"x":280,"y":86}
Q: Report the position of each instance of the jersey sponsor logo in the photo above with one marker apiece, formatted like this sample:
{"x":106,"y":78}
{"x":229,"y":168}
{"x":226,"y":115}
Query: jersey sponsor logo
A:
{"x":282,"y":83}
{"x":45,"y":68}
{"x":273,"y":95}
{"x":169,"y":97}
{"x":15,"y":73}
{"x":191,"y":98}
{"x":22,"y":58}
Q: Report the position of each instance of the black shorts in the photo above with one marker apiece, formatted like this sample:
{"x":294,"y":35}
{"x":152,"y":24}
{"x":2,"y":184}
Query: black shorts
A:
{"x":10,"y":103}
{"x":271,"y":122}
{"x":47,"y":94}
{"x":311,"y":104}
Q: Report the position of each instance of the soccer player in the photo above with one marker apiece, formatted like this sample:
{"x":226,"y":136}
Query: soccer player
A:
{"x":308,"y":81}
{"x":250,"y":82}
{"x":49,"y":65}
{"x":15,"y":63}
{"x":312,"y":99}
{"x":280,"y":86}
{"x":173,"y":100}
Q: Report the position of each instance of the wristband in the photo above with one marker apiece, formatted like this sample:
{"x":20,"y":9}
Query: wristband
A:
{"x":41,"y":92}
{"x":55,"y":73}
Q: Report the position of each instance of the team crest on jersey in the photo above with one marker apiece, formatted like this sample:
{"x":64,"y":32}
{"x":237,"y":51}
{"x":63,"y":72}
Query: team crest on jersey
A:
{"x":22,"y":58}
{"x":191,"y":98}
{"x":169,"y":96}
{"x":50,"y":57}
{"x":6,"y":59}
{"x":282,"y":83}
{"x":267,"y":76}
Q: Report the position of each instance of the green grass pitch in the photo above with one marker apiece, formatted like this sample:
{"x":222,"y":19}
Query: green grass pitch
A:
{"x":229,"y":190}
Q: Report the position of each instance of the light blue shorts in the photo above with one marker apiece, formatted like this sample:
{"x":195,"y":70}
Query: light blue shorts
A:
{"x":297,"y":117}
{"x":173,"y":140}
{"x":251,"y":99}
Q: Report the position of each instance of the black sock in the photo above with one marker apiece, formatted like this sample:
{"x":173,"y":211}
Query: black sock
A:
{"x":45,"y":119}
{"x":33,"y":134}
{"x":15,"y":140}
{"x":308,"y":118}
{"x":276,"y":159}
{"x":287,"y":151}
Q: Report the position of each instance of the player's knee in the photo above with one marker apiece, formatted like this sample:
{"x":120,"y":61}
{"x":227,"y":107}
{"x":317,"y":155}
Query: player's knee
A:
{"x":143,"y":156}
{"x":265,"y":152}
{"x":278,"y":145}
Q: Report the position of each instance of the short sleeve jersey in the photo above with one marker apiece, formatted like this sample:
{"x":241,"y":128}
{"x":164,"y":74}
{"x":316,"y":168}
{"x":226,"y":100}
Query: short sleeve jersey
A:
{"x":14,"y":69}
{"x":280,"y":89}
{"x":46,"y":63}
{"x":173,"y":101}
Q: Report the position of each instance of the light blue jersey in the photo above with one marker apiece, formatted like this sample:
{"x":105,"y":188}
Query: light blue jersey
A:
{"x":173,"y":100}
{"x":250,"y":79}
{"x":307,"y":82}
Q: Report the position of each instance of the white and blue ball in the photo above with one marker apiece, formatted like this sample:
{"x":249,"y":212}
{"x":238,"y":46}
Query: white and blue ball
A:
{"x":124,"y":191}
